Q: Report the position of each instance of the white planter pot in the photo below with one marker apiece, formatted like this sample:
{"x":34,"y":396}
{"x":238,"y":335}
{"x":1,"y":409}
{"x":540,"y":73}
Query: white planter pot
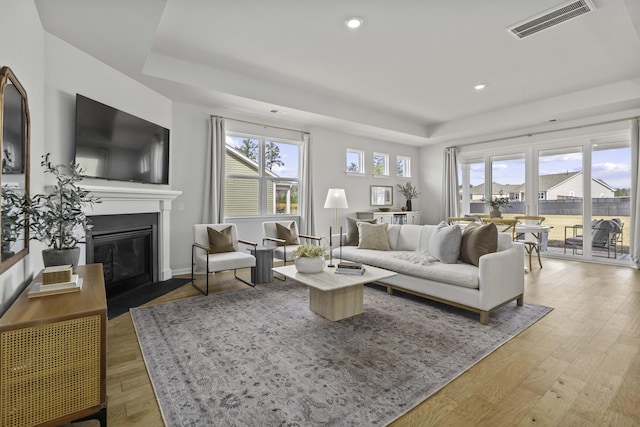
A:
{"x":309,"y":265}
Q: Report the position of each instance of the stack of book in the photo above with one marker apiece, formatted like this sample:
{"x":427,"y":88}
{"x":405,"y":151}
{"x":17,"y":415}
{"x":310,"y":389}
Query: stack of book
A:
{"x":350,"y":268}
{"x":56,"y":280}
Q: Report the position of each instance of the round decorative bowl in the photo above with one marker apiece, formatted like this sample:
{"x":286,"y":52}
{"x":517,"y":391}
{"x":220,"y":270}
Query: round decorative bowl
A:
{"x":309,"y":265}
{"x":384,"y":209}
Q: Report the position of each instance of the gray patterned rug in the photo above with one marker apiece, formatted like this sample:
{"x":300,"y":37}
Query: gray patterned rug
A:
{"x":258,"y":357}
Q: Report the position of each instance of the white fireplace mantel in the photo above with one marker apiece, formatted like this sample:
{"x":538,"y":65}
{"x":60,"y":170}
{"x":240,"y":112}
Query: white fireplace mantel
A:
{"x":123,"y":200}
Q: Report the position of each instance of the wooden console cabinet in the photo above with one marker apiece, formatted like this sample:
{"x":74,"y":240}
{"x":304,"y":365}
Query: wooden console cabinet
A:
{"x":400,"y":217}
{"x":53,"y":355}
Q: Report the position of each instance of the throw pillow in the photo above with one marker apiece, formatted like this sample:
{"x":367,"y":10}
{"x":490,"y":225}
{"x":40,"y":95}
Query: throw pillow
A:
{"x":290,"y":235}
{"x":444,"y":243}
{"x":220,"y":241}
{"x":353,"y":238}
{"x":373,"y":236}
{"x":478,"y":240}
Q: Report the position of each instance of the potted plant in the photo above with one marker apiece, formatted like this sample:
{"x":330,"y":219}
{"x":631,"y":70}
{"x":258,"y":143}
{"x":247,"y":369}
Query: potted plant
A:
{"x":409,"y":192}
{"x":58,"y":218}
{"x":308,"y":258}
{"x":496,"y":203}
{"x":13,"y":218}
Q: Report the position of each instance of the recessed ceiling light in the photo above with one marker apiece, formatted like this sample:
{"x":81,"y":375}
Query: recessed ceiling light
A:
{"x":480,"y":86}
{"x":354,"y":22}
{"x":274,"y":111}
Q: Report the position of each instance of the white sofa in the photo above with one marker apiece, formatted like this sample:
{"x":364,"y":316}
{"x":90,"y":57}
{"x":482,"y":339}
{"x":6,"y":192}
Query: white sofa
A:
{"x":497,"y":280}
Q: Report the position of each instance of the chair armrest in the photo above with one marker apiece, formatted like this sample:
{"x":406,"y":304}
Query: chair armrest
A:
{"x":306,"y":236}
{"x":247,"y":242}
{"x":273,"y":239}
{"x":199,"y":246}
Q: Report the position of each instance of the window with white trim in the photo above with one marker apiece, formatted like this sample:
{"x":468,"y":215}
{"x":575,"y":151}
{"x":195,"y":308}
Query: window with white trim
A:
{"x":403,"y":166}
{"x":355,"y":161}
{"x":262,"y":176}
{"x":380,"y":164}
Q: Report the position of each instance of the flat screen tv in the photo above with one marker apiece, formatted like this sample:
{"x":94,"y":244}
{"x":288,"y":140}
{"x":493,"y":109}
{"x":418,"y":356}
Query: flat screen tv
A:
{"x":114,"y":145}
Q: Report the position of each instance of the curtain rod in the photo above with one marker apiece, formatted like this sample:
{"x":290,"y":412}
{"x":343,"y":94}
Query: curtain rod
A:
{"x":542,"y":132}
{"x":260,"y":124}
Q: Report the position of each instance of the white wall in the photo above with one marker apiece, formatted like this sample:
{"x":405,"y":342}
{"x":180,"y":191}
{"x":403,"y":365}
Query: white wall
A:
{"x":328,"y":149}
{"x":22,"y":49}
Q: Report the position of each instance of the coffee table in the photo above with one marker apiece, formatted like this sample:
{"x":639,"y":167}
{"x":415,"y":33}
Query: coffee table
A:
{"x":335,"y":296}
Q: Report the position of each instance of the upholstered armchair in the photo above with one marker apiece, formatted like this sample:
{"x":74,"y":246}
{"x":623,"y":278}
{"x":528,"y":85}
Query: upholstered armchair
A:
{"x":284,"y":236}
{"x":216,"y":248}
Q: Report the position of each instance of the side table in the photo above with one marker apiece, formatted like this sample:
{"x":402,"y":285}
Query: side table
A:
{"x":262,"y":272}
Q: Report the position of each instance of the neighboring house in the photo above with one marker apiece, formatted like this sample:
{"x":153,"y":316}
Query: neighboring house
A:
{"x":569,"y":186}
{"x":241,"y":193}
{"x":557,"y":186}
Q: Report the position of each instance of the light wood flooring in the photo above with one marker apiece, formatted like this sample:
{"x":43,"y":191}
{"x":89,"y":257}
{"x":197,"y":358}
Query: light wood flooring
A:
{"x":579,"y":365}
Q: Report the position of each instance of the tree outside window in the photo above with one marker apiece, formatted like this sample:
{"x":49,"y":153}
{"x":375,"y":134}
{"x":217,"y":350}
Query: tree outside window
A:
{"x":380,"y":164}
{"x":355,"y":162}
{"x":403,"y":166}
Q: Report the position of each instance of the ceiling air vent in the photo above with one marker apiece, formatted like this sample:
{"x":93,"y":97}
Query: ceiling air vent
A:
{"x":551,"y":17}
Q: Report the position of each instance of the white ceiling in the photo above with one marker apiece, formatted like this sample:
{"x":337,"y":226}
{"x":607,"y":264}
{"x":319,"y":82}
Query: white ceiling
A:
{"x":406,"y":75}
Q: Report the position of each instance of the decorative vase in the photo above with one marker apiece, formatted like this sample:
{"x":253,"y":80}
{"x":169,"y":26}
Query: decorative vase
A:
{"x":309,"y":265}
{"x":409,"y":204}
{"x":70,"y":256}
{"x":495,"y":213}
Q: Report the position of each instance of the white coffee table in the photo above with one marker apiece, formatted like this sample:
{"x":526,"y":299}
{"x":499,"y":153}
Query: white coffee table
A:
{"x":335,"y":296}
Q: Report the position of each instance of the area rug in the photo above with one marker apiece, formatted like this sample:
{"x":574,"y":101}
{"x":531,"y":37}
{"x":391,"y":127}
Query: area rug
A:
{"x":258,"y":356}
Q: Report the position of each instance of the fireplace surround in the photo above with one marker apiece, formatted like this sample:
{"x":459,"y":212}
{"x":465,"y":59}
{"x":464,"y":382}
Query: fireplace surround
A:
{"x":139,"y":200}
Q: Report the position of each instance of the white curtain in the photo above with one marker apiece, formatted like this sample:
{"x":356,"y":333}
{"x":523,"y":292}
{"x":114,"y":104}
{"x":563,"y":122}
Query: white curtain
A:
{"x":213,"y":199}
{"x":634,"y":248}
{"x":450,"y":184}
{"x":307,"y":217}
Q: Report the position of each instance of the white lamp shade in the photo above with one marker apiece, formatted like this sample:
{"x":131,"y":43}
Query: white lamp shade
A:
{"x":336,"y":199}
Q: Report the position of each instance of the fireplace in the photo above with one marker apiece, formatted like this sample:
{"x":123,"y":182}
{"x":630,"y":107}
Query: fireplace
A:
{"x":127,"y":246}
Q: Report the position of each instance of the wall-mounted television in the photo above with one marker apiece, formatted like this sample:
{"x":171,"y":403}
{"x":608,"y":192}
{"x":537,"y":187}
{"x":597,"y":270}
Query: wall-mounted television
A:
{"x":114,"y":145}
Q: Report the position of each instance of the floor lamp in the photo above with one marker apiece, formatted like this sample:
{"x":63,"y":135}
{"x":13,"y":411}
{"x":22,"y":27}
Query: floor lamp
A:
{"x":336,"y":199}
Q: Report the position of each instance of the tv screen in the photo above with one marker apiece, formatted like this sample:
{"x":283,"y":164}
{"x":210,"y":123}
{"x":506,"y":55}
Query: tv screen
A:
{"x":114,"y":145}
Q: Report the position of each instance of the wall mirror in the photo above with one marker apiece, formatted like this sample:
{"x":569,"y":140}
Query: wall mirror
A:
{"x":381,"y":195}
{"x":14,"y":146}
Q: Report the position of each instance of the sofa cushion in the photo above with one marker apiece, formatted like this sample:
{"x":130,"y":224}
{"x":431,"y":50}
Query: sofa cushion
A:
{"x":444,"y":243}
{"x":353,"y":238}
{"x":415,"y":264}
{"x":373,"y":236}
{"x":478,"y":240}
{"x":409,"y":237}
{"x":220,"y":241}
{"x":289,"y":234}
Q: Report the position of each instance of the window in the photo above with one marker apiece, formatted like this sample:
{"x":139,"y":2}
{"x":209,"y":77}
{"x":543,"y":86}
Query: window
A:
{"x":355,"y":161}
{"x":380,"y":164}
{"x":262,"y":176}
{"x":508,"y":180}
{"x":403,"y":166}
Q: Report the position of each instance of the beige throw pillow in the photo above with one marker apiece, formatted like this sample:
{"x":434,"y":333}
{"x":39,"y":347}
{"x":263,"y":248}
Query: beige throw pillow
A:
{"x":373,"y":236}
{"x":220,"y":241}
{"x":353,"y":238}
{"x":478,"y":240}
{"x":290,"y":235}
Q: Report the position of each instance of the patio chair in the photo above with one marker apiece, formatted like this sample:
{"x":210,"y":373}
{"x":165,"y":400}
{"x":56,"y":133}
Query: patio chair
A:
{"x":216,"y":249}
{"x":605,"y":234}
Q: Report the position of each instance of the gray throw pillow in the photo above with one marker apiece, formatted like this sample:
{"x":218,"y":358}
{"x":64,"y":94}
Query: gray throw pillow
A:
{"x":353,"y":238}
{"x":373,"y":236}
{"x":444,"y":243}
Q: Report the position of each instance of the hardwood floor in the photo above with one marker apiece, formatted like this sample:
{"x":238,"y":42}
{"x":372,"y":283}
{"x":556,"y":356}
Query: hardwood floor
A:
{"x":579,"y":365}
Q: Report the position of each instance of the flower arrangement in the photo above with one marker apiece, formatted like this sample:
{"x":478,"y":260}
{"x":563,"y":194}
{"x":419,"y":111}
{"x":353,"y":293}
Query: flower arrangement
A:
{"x":408,"y":191}
{"x":497,"y":202}
{"x":308,"y":250}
